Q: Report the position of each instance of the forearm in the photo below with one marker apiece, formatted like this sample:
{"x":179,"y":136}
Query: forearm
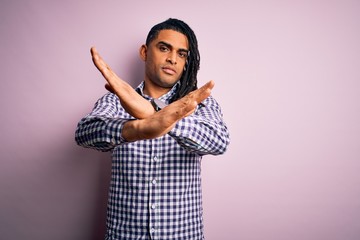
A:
{"x":101,"y":129}
{"x":155,"y":126}
{"x":162,"y":122}
{"x":99,"y":133}
{"x":203,"y":132}
{"x":202,"y":137}
{"x":131,"y":101}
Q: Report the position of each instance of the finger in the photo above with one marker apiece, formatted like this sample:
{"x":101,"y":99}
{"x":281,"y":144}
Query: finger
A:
{"x":204,"y":90}
{"x":202,"y":93}
{"x":93,"y":51}
{"x":95,"y":54}
{"x":104,"y":68}
{"x":95,"y":57}
{"x":209,"y":85}
{"x":100,"y":64}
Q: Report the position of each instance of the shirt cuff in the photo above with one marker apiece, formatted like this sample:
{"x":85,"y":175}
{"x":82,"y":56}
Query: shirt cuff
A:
{"x":183,"y":133}
{"x":114,"y":131}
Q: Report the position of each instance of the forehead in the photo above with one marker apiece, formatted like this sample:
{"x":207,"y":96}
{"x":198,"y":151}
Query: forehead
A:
{"x":174,"y":38}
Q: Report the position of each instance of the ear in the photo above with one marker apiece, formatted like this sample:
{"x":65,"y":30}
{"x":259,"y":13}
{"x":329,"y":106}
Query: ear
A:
{"x":143,"y":52}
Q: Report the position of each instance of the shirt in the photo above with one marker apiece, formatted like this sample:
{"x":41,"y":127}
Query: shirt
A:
{"x":155,"y":190}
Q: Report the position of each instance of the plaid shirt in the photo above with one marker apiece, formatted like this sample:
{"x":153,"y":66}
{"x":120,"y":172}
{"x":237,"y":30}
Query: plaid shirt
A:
{"x":155,"y":190}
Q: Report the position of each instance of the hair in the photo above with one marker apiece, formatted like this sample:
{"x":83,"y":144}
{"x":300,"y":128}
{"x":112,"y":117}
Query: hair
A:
{"x":188,"y":79}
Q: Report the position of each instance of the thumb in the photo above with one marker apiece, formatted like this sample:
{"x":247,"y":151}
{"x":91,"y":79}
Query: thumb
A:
{"x":109,"y":88}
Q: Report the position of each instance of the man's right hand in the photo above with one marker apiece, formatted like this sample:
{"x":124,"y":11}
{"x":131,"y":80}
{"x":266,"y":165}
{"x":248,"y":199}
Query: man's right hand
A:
{"x":131,"y":101}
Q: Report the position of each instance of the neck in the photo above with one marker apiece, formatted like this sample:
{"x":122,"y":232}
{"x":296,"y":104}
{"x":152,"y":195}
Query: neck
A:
{"x":154,"y":91}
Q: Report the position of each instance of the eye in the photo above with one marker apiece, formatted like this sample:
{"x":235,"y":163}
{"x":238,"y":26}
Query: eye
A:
{"x":183,"y":54}
{"x":163,"y":48}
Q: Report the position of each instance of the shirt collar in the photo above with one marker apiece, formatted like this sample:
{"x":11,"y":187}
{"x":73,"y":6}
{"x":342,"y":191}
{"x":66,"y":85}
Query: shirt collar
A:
{"x":165,"y":98}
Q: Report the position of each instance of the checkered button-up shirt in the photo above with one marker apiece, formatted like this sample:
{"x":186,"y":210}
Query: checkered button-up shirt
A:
{"x":155,"y":190}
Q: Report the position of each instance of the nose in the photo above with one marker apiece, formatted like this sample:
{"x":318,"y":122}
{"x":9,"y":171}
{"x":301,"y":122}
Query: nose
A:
{"x":172,"y":57}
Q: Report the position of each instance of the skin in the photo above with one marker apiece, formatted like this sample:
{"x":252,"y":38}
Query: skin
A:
{"x":165,"y":59}
{"x":164,"y":64}
{"x":131,"y":101}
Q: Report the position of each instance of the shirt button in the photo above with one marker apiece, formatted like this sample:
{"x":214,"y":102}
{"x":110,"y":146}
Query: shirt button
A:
{"x":153,"y":206}
{"x":154,"y":181}
{"x":156,"y":158}
{"x":152,"y":230}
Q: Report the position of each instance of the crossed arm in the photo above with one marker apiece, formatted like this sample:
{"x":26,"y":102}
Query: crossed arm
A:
{"x":148,"y":124}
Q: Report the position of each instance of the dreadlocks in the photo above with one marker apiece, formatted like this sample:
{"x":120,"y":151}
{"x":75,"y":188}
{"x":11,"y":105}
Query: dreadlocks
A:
{"x":188,"y":80}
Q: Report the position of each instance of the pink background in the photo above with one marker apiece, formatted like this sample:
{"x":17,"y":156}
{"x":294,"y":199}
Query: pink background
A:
{"x":287,"y":77}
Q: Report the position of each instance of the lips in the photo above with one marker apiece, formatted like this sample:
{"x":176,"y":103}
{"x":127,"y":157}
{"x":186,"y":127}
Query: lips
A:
{"x":169,"y":70}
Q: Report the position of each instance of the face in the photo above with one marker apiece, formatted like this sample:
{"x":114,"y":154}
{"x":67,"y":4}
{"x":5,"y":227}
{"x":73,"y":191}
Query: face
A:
{"x":165,"y":59}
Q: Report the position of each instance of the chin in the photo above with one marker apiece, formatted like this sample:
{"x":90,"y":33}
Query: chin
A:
{"x":168,"y":84}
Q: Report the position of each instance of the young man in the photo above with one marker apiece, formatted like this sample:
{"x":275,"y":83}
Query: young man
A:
{"x":158,"y":134}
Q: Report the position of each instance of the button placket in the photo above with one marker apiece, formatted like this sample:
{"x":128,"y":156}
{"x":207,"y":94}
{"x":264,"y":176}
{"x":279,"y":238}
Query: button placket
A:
{"x":154,"y":189}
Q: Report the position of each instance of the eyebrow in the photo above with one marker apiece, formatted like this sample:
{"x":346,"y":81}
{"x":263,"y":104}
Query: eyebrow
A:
{"x":170,"y":46}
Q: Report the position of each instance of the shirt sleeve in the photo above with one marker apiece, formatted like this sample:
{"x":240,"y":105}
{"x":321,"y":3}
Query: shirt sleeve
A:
{"x":204,"y":131}
{"x":101,"y":129}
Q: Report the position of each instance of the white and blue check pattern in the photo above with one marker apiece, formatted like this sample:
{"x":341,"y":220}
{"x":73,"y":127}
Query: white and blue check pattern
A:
{"x":155,"y":190}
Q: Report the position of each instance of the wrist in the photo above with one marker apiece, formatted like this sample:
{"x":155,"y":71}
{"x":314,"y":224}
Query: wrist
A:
{"x":130,"y":131}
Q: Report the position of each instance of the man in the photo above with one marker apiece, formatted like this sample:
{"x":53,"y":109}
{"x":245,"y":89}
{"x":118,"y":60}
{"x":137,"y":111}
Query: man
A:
{"x":157,"y":135}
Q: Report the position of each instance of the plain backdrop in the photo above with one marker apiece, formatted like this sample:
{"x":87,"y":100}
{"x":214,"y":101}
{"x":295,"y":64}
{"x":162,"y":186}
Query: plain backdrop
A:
{"x":287,"y":77}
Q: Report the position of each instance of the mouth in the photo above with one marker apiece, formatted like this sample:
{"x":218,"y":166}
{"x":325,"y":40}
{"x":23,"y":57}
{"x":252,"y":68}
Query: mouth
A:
{"x":169,"y":70}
